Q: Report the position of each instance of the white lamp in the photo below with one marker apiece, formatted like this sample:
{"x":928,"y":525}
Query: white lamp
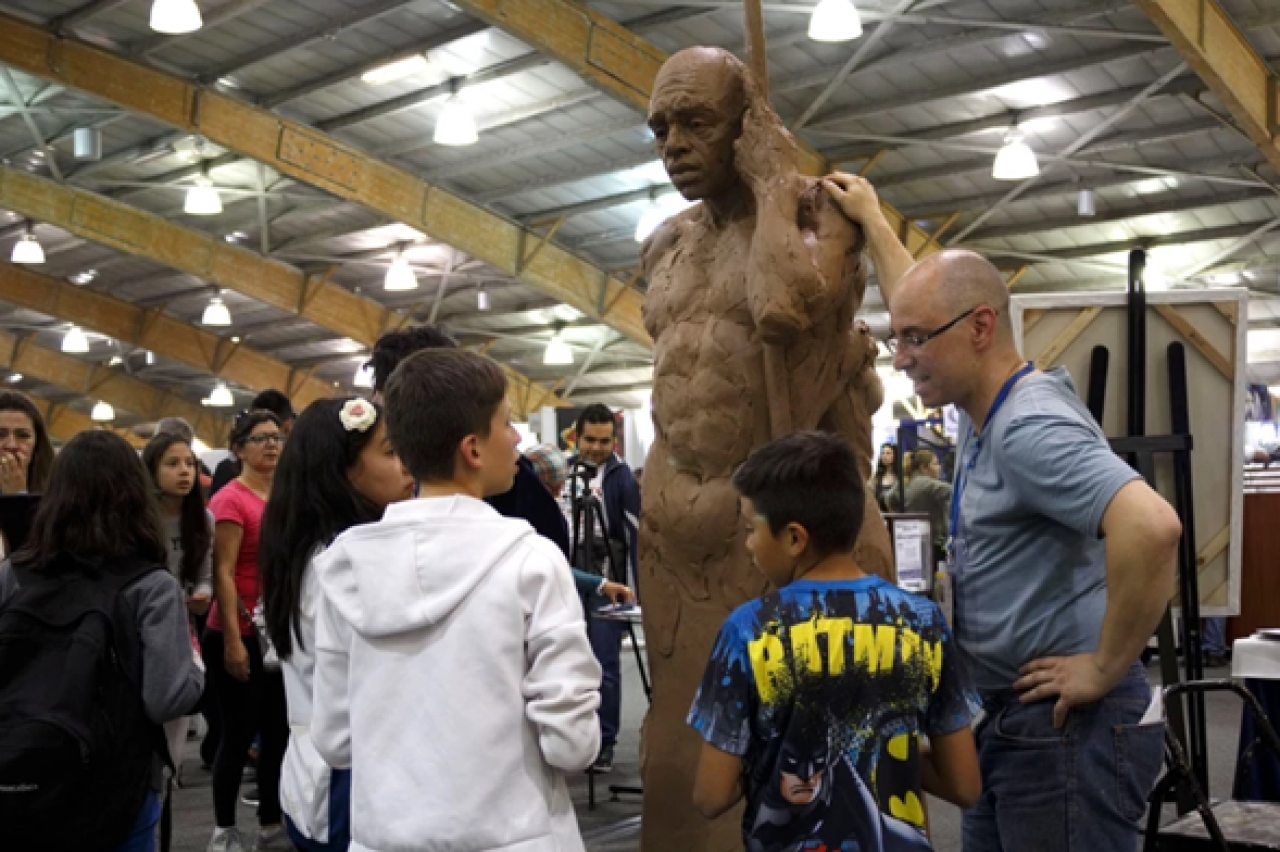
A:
{"x":482,"y":300}
{"x":28,"y":249}
{"x":102,"y":413}
{"x":364,"y":376}
{"x":175,"y":17}
{"x":835,"y":20}
{"x":1016,"y":160}
{"x":75,"y":342}
{"x":558,"y":352}
{"x":221,"y":397}
{"x":87,"y":143}
{"x":456,"y":125}
{"x":202,"y":199}
{"x":400,"y":275}
{"x":1086,"y":204}
{"x":216,"y":313}
{"x":397,"y":70}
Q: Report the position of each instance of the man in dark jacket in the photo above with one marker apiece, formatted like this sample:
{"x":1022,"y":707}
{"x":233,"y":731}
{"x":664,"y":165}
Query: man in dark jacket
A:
{"x":619,"y":495}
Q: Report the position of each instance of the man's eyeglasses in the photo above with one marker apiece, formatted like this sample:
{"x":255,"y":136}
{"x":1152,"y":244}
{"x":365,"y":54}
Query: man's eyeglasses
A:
{"x":259,"y":440}
{"x":913,"y":342}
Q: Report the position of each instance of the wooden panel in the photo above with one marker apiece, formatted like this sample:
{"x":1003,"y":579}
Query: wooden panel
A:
{"x":1197,"y":340}
{"x":1260,"y":593}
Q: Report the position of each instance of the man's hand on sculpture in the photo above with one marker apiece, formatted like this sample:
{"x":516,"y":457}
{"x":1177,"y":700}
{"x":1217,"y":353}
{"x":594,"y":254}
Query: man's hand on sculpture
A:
{"x":1074,"y":680}
{"x":855,"y":195}
{"x":765,"y":154}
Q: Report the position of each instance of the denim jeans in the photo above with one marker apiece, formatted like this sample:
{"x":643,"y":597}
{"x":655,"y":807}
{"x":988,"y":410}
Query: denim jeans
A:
{"x":1081,"y":788}
{"x":1215,"y":636}
{"x":606,"y":642}
{"x":339,"y":818}
{"x":143,"y":837}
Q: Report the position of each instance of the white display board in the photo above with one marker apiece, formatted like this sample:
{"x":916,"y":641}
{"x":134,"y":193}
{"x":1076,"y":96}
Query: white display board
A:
{"x":1063,"y":329}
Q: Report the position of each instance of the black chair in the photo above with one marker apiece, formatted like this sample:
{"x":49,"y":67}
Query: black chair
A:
{"x":1227,"y":826}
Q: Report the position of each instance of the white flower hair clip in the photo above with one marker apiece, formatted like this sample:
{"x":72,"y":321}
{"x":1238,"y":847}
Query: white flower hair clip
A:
{"x":358,"y":415}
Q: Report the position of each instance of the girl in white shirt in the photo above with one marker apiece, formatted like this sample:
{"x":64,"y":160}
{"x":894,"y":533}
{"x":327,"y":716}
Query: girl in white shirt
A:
{"x":337,"y":470}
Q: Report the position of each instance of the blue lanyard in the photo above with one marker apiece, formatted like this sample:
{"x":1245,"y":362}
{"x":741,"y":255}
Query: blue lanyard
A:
{"x":975,"y":446}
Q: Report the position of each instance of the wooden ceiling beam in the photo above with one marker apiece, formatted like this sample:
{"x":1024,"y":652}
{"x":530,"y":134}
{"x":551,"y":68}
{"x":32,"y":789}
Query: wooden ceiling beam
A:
{"x":151,"y":328}
{"x":124,"y":392}
{"x":63,"y":423}
{"x":307,"y":155}
{"x":1212,"y":44}
{"x":624,"y":65}
{"x":137,"y":232}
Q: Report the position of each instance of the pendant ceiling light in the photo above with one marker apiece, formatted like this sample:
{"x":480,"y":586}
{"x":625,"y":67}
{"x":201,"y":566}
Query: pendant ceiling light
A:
{"x":1016,"y":160}
{"x":75,"y":342}
{"x":835,"y":20}
{"x":87,"y":144}
{"x":102,"y":413}
{"x":1086,"y":204}
{"x":482,"y":300}
{"x":456,"y":125}
{"x":221,"y":397}
{"x":216,"y":313}
{"x":400,"y":275}
{"x":202,"y":199}
{"x":175,"y":17}
{"x":558,"y":353}
{"x":364,"y":376}
{"x":28,"y":249}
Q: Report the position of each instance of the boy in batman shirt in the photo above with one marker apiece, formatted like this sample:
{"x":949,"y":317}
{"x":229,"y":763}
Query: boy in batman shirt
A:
{"x":817,"y":696}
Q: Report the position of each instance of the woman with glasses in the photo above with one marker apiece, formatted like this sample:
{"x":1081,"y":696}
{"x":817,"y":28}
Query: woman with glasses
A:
{"x":250,"y":698}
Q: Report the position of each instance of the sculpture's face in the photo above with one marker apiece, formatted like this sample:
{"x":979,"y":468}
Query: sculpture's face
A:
{"x":696,"y":116}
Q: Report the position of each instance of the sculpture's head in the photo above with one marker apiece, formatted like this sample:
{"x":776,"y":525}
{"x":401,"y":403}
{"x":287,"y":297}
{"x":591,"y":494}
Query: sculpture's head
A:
{"x":696,"y":116}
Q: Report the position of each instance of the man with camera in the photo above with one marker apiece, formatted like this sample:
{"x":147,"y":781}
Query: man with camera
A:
{"x":608,"y":548}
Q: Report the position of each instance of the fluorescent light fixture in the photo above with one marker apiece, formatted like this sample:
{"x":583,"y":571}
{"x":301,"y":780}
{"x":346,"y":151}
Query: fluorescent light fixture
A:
{"x":835,"y":20}
{"x":1086,"y":204}
{"x":221,"y":397}
{"x":482,"y":300}
{"x":364,"y":376}
{"x":558,"y":352}
{"x":456,"y":125}
{"x":397,"y":70}
{"x":202,"y":199}
{"x":75,"y":342}
{"x":400,"y":275}
{"x":87,"y":143}
{"x":216,"y":313}
{"x":28,"y":249}
{"x":175,"y":17}
{"x":102,"y":413}
{"x":150,"y":358}
{"x":1016,"y":160}
{"x":15,"y":378}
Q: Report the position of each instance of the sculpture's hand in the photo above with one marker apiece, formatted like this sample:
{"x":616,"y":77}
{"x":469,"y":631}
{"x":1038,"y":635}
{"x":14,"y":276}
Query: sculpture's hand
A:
{"x":765,"y":154}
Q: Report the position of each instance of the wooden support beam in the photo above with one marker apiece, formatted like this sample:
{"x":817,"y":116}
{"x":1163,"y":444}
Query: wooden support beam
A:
{"x":620,"y":63}
{"x":122,"y":391}
{"x":143,"y":234}
{"x":148,"y":329}
{"x":1210,"y":42}
{"x":1198,"y":341}
{"x":308,"y":155}
{"x":1066,"y":337}
{"x":1016,"y":275}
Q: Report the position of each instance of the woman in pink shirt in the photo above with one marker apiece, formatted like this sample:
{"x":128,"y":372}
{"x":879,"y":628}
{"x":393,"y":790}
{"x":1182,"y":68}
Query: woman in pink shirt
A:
{"x":250,"y":699}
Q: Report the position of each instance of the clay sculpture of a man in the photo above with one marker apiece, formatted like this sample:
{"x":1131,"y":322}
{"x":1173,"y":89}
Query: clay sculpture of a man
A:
{"x":766,"y":260}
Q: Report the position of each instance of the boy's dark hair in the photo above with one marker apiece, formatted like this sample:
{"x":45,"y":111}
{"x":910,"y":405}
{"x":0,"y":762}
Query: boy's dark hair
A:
{"x":98,"y":505}
{"x":434,"y":399}
{"x":193,"y":526}
{"x":596,"y":413}
{"x":274,"y":401}
{"x":810,"y":479}
{"x":394,"y":346}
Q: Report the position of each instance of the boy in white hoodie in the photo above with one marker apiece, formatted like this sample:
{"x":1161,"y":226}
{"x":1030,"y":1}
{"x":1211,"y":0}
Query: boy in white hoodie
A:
{"x":453,"y":673}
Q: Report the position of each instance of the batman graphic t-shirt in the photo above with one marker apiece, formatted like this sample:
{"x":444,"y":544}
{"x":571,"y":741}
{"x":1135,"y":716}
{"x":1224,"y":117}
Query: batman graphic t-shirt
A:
{"x":824,"y":689}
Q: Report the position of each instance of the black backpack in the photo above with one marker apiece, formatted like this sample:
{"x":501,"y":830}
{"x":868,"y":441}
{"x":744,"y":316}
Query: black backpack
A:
{"x":76,"y":746}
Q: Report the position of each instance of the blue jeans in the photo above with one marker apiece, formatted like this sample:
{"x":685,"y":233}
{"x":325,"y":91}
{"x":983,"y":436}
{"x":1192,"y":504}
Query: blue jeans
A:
{"x":1215,"y":636}
{"x":1082,"y":788}
{"x":143,"y":836}
{"x":339,"y":818}
{"x":606,"y":642}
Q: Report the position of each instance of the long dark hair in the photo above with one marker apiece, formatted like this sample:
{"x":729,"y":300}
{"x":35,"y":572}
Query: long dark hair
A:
{"x":193,"y":522}
{"x":98,"y":506}
{"x":312,"y":503}
{"x":41,"y":462}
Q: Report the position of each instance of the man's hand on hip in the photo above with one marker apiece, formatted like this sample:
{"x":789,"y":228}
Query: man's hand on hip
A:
{"x":1074,"y":680}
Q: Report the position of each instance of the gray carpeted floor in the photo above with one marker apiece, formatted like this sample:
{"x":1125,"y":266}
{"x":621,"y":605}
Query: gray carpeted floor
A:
{"x":613,"y":825}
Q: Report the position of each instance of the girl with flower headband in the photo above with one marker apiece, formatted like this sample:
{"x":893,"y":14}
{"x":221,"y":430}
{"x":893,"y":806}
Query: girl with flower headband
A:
{"x":338,"y":470}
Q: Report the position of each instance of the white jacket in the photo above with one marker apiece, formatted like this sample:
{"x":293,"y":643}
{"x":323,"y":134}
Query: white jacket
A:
{"x":453,"y":675}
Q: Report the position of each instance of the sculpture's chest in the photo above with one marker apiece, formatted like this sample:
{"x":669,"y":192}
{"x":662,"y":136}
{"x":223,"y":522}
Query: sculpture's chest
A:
{"x":703,"y":275}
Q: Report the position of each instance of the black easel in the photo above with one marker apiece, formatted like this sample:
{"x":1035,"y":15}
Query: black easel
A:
{"x":1187,"y":720}
{"x":587,"y":514}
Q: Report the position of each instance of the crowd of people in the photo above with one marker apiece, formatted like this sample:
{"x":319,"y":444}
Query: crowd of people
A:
{"x":387,"y":608}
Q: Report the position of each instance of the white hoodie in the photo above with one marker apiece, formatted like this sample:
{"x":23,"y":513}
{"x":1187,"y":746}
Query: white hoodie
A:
{"x":453,"y":675}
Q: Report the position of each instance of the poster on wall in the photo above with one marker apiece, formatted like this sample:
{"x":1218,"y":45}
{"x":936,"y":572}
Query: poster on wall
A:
{"x":567,"y":430}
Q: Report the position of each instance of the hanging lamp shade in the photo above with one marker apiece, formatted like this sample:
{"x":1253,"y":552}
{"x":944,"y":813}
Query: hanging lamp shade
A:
{"x":216,"y":313}
{"x":221,"y":397}
{"x":558,"y":352}
{"x":456,"y":125}
{"x":364,"y":376}
{"x":202,"y":199}
{"x":835,"y":20}
{"x":1086,"y":204}
{"x":175,"y":17}
{"x":1015,"y":161}
{"x":75,"y":342}
{"x":102,"y":413}
{"x":400,"y":276}
{"x":27,"y":250}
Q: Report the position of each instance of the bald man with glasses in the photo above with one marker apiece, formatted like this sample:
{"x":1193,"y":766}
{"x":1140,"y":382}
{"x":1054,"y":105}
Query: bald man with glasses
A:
{"x":1062,"y":560}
